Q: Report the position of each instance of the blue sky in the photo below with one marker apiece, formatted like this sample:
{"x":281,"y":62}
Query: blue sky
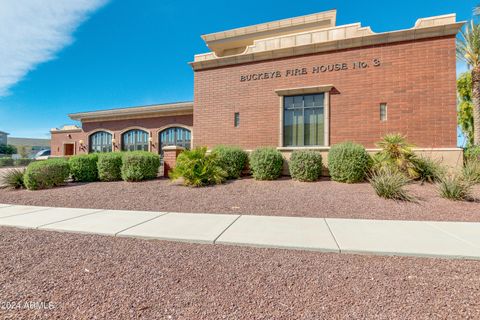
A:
{"x":64,"y":56}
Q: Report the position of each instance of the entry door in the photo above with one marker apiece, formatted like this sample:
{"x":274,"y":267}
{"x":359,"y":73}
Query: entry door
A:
{"x":68,"y":149}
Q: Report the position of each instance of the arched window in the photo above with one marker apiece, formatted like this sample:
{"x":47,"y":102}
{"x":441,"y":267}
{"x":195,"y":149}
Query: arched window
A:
{"x":134,"y":140}
{"x":175,"y":136}
{"x":100,"y":141}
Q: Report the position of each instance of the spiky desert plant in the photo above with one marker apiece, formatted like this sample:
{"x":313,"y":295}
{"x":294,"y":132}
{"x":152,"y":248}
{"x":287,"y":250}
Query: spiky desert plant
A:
{"x":389,"y":183}
{"x":455,"y":187}
{"x":397,"y":152}
{"x":13,"y":178}
{"x":471,"y":171}
{"x":198,"y":169}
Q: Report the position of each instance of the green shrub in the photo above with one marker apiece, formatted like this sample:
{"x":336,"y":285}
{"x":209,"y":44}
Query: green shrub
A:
{"x":266,"y":163}
{"x":12,"y":178}
{"x":232,"y":159}
{"x":22,"y":162}
{"x":305,"y":165}
{"x":139,"y":165}
{"x":109,"y":166}
{"x":6,"y":162}
{"x":472,"y":153}
{"x":427,"y":169}
{"x":46,"y":174}
{"x":84,"y":167}
{"x":454,"y":187}
{"x":389,"y":183}
{"x":348,"y":162}
{"x":471,"y":171}
{"x":198,"y":169}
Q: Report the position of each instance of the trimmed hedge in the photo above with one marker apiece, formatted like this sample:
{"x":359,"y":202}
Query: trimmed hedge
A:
{"x":46,"y":174}
{"x":266,"y":163}
{"x":232,"y":159}
{"x":109,"y":166}
{"x":6,"y":162}
{"x":140,"y":165}
{"x":23,"y":162}
{"x":348,"y":162}
{"x":305,"y":165}
{"x":84,"y":167}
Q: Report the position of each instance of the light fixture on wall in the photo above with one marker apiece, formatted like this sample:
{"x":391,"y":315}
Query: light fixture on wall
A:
{"x":150,"y":139}
{"x":82,"y":144}
{"x":114,"y":142}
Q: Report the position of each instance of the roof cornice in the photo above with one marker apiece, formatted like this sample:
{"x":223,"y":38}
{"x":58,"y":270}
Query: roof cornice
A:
{"x":332,"y":39}
{"x":135,"y":112}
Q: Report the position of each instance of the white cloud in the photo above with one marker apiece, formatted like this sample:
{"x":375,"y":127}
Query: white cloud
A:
{"x":33,"y":31}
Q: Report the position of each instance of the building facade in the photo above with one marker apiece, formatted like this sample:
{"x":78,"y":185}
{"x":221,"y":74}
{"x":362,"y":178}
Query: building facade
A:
{"x":305,"y":83}
{"x":3,"y":137}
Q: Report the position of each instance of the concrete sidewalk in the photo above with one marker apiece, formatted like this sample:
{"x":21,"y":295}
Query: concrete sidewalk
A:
{"x":384,"y":237}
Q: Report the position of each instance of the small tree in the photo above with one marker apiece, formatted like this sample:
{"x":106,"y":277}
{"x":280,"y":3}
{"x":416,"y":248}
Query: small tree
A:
{"x":468,"y":50}
{"x":465,"y":107}
{"x":7,"y":149}
{"x":23,"y":151}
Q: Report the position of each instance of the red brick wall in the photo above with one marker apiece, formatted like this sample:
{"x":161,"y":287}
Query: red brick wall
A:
{"x":416,"y":79}
{"x":59,"y":139}
{"x":152,"y":125}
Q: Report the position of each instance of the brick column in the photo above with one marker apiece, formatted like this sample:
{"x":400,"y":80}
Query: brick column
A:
{"x":170,"y":154}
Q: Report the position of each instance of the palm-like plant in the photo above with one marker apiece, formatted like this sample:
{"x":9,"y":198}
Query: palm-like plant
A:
{"x":397,"y":153}
{"x":468,"y":50}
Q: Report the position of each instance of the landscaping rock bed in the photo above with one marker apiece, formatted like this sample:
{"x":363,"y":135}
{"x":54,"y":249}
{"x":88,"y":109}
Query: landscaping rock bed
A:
{"x":284,"y":197}
{"x":97,"y":277}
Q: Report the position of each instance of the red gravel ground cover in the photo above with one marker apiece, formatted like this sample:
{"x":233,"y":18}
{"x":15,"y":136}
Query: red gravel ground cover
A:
{"x":281,"y":197}
{"x":98,"y":277}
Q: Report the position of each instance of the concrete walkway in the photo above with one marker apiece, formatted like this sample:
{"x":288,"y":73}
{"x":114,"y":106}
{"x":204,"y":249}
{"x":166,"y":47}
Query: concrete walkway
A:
{"x":384,"y":237}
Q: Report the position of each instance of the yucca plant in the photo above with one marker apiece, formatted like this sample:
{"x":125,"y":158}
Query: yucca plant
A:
{"x":198,"y":169}
{"x":471,"y":171}
{"x":455,"y":187}
{"x":13,"y":178}
{"x":428,"y":170}
{"x":389,"y":183}
{"x":396,"y":151}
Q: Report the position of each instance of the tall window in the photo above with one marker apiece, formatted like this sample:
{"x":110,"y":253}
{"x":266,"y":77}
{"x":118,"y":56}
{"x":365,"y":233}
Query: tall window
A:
{"x":175,"y":137}
{"x":304,"y":120}
{"x":134,"y":140}
{"x":100,"y":141}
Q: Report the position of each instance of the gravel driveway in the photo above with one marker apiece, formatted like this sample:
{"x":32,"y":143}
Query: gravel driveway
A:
{"x":281,"y":197}
{"x":88,"y":276}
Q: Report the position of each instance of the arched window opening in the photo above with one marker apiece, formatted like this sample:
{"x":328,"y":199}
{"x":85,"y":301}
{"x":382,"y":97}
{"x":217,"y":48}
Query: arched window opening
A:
{"x":100,"y":141}
{"x":135,"y":140}
{"x":175,"y":136}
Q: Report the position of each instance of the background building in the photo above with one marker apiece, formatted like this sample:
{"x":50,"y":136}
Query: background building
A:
{"x":3,"y":137}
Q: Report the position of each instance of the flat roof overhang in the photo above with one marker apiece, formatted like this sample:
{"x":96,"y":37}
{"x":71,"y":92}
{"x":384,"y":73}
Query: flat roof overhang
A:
{"x":157,"y":110}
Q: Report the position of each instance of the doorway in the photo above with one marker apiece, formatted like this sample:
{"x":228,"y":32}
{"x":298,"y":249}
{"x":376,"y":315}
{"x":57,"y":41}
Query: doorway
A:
{"x":68,"y":149}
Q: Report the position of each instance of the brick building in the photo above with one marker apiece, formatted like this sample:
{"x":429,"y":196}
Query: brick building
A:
{"x":298,"y":83}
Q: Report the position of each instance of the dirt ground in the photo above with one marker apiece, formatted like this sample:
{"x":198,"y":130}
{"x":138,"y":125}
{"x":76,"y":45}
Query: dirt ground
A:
{"x":285,"y":197}
{"x":51,"y":275}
